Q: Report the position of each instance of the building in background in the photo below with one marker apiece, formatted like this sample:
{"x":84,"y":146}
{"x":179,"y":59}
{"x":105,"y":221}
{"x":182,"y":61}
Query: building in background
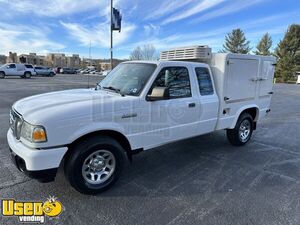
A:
{"x":55,"y":60}
{"x":3,"y":59}
{"x":32,"y":58}
{"x":74,"y":61}
{"x":12,"y":58}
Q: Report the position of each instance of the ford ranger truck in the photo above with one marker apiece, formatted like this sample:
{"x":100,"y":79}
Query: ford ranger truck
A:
{"x":138,"y":106}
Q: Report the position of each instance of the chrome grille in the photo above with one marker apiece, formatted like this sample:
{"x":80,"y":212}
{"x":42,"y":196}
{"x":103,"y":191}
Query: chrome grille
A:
{"x":16,"y":122}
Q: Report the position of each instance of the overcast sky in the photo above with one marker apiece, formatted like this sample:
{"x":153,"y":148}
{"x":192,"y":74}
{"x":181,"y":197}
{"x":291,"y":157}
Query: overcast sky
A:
{"x":69,"y":26}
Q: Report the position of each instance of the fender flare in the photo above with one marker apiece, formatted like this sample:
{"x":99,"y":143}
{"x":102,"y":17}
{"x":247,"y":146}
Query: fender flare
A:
{"x":242,"y":109}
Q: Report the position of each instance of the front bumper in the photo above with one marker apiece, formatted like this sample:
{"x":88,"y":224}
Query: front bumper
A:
{"x":39,"y":164}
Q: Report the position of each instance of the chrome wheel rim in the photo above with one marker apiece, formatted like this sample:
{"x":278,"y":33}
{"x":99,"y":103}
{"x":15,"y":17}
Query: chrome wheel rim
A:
{"x":98,"y":167}
{"x":244,"y":131}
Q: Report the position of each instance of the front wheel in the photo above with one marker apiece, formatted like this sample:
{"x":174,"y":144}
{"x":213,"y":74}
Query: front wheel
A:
{"x":2,"y":75}
{"x":94,"y":165}
{"x":242,"y":132}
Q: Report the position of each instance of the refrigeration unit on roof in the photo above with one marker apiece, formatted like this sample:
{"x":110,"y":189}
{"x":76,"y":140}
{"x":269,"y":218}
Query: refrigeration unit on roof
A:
{"x":199,"y":53}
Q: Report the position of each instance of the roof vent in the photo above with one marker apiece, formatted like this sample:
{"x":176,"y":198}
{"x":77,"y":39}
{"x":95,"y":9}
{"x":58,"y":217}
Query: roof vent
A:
{"x":201,"y":52}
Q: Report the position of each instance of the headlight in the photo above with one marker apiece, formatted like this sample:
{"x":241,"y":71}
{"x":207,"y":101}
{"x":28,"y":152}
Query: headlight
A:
{"x":32,"y":133}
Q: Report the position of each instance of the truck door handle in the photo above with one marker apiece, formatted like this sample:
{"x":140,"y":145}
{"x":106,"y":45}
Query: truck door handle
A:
{"x":192,"y":105}
{"x":271,"y":92}
{"x":226,"y":98}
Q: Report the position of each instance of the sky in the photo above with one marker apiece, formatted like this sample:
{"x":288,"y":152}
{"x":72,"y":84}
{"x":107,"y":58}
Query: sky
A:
{"x":70,"y":26}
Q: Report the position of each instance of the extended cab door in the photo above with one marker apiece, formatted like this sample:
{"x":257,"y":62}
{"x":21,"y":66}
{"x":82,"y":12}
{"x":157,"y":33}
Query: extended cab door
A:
{"x":208,"y":100}
{"x":174,"y":118}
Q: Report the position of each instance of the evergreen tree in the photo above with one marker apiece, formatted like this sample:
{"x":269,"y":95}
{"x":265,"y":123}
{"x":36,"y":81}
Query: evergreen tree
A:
{"x":288,"y":54}
{"x":236,"y":42}
{"x":264,"y":45}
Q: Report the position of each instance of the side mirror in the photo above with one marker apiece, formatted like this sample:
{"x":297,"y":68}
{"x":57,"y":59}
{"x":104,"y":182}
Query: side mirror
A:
{"x":158,"y":93}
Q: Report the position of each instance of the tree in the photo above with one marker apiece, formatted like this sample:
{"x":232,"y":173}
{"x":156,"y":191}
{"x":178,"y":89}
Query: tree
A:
{"x":136,"y":54}
{"x":147,"y":52}
{"x":236,"y":42}
{"x":288,"y":54}
{"x":264,"y":45}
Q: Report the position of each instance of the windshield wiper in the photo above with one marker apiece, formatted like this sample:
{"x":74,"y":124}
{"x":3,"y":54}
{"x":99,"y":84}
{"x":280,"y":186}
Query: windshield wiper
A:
{"x":115,"y":90}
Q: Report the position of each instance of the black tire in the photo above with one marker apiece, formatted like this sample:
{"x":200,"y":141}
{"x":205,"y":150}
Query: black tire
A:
{"x":27,"y":75}
{"x":51,"y":74}
{"x":74,"y":163}
{"x":2,"y":75}
{"x":238,"y":137}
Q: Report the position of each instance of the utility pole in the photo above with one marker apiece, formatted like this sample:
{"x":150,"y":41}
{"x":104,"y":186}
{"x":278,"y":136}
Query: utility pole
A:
{"x":111,"y":34}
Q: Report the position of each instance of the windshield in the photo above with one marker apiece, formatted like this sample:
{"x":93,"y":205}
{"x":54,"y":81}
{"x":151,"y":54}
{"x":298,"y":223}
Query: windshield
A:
{"x":129,"y":78}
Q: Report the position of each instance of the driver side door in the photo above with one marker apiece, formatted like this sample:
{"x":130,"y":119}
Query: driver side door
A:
{"x":173,"y":118}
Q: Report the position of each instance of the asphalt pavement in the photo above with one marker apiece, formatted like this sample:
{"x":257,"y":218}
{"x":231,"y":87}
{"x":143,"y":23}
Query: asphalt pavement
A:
{"x":203,"y":180}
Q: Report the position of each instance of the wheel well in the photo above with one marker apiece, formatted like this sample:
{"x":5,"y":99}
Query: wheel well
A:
{"x":2,"y":72}
{"x":109,"y":133}
{"x":254,"y":113}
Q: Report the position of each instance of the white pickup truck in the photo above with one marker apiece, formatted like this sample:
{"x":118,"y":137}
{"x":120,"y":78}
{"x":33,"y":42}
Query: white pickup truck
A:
{"x":138,"y":106}
{"x":17,"y":69}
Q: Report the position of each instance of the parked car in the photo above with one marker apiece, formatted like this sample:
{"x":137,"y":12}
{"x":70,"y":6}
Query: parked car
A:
{"x":17,"y":69}
{"x":139,"y":106}
{"x":105,"y":72}
{"x":44,"y":71}
{"x":67,"y":70}
{"x":85,"y":71}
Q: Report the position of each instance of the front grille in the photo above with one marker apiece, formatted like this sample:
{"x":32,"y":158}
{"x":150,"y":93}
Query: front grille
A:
{"x":16,"y":122}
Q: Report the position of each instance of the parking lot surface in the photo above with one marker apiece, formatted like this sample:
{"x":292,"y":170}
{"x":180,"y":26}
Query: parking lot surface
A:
{"x":203,"y":180}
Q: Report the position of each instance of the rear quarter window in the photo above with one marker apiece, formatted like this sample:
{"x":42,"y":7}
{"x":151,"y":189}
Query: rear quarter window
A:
{"x":29,"y":66}
{"x":204,"y":81}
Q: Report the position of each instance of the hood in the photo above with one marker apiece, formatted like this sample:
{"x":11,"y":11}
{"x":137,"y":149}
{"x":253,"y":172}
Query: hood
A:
{"x":39,"y":106}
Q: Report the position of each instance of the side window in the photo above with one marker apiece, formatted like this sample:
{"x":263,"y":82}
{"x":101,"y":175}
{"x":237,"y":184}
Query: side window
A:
{"x":176,"y":79}
{"x":12,"y":66}
{"x":29,"y":66}
{"x":204,"y":81}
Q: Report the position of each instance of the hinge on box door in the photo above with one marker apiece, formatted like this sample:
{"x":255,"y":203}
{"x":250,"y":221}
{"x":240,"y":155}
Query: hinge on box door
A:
{"x":254,"y":79}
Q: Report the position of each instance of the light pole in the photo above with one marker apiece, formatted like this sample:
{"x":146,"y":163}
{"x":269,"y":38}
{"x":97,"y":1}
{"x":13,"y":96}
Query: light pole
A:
{"x":111,"y":34}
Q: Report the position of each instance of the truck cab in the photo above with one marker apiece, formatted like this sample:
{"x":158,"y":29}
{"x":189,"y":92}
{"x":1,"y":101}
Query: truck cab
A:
{"x":138,"y":106}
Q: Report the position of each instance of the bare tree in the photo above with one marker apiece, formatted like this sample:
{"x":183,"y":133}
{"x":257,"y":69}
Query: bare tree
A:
{"x":136,"y":54}
{"x":148,"y":52}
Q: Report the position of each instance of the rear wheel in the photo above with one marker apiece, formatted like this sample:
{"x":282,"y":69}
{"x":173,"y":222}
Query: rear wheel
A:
{"x":94,"y":165}
{"x":2,"y":75}
{"x":51,"y":74}
{"x":242,"y":132}
{"x":27,"y":75}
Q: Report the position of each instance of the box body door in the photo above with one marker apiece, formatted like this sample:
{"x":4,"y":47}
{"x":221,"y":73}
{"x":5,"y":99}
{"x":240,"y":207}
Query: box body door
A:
{"x":242,"y":77}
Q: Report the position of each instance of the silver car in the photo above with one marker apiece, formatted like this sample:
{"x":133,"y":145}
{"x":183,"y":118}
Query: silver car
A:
{"x":44,"y":71}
